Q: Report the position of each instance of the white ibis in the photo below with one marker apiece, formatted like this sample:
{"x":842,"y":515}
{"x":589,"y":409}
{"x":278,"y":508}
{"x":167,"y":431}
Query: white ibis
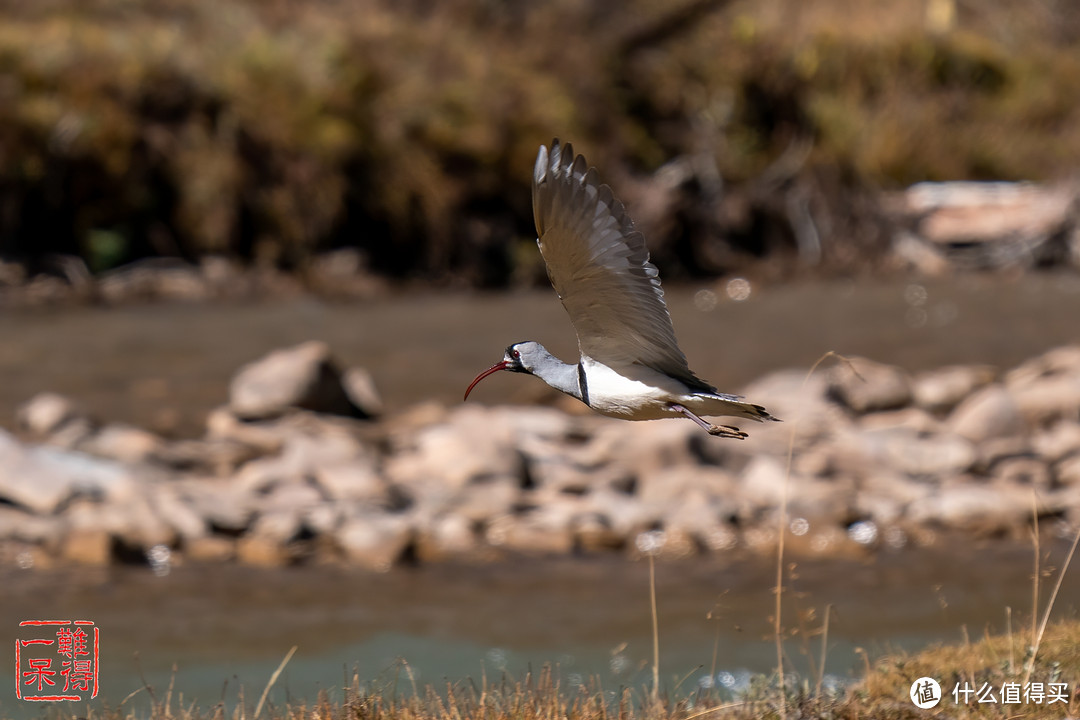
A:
{"x":631,"y":366}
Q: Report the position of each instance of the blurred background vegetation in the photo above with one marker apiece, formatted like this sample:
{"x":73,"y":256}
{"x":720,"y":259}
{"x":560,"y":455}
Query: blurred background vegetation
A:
{"x":270,"y":131}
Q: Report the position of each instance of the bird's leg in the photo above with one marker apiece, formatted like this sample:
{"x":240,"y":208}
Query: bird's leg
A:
{"x":719,"y":430}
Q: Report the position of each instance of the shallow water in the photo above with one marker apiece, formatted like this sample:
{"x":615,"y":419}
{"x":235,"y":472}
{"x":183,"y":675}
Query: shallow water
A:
{"x":232,"y":626}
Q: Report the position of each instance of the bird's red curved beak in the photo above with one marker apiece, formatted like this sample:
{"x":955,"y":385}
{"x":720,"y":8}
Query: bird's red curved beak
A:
{"x":501,"y":365}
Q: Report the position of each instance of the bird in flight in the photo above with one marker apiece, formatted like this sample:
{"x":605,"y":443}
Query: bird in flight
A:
{"x":631,"y":366}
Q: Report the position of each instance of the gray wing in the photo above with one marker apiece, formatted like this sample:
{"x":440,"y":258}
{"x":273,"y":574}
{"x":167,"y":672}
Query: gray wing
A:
{"x":599,"y":266}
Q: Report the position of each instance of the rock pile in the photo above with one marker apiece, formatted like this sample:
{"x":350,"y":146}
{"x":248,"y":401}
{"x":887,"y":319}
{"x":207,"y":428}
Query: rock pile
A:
{"x":293,"y":470}
{"x":59,"y":280}
{"x":940,"y":226}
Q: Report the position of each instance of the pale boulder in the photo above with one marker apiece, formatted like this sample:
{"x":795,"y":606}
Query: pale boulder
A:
{"x":866,"y":386}
{"x":303,"y":377}
{"x":943,"y":389}
{"x":990,"y":413}
{"x":374,"y":542}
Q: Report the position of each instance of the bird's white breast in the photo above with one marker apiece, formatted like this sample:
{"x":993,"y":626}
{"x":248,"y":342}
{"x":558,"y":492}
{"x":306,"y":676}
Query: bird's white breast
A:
{"x":636,"y":393}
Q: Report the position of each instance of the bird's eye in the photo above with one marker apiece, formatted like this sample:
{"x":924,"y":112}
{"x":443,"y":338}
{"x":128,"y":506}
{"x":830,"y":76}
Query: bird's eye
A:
{"x":516,"y":354}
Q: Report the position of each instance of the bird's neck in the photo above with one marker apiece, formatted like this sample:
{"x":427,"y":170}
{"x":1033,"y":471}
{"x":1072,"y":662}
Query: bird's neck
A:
{"x":559,"y":375}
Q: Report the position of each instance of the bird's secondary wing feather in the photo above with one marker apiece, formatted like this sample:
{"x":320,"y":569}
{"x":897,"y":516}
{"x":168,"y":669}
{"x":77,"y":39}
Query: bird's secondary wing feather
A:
{"x":599,"y":266}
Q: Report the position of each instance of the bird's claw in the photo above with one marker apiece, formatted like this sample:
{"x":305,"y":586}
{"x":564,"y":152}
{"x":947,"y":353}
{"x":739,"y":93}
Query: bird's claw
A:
{"x":727,"y":431}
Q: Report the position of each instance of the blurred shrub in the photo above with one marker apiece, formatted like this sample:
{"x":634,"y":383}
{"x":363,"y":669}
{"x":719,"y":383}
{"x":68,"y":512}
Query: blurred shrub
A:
{"x":271,"y":129}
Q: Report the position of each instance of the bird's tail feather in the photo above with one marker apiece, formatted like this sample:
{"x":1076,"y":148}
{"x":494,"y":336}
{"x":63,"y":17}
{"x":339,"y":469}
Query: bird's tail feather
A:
{"x":728,"y":405}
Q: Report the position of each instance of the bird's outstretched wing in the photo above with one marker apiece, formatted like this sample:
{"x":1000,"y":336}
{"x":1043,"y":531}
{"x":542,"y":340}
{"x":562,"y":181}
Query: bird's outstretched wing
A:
{"x":599,"y":266}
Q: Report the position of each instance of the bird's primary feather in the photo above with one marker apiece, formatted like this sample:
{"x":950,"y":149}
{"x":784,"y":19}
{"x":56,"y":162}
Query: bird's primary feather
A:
{"x":599,"y":266}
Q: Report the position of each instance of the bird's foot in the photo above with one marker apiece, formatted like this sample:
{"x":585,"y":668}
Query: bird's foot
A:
{"x":715,"y":430}
{"x":728,"y":431}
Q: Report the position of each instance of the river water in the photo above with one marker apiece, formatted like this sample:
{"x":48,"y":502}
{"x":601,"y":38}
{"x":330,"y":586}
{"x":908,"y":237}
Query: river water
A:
{"x":209,"y":632}
{"x":165,"y":366}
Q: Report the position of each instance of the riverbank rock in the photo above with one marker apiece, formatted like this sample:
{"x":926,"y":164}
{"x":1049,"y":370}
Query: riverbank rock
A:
{"x":941,"y":390}
{"x":359,"y":386}
{"x":542,"y":530}
{"x":879,"y":460}
{"x":210,"y":549}
{"x":46,"y":413}
{"x":449,"y":537}
{"x":41,"y":478}
{"x":472,"y":443}
{"x":87,"y":547}
{"x":981,"y":225}
{"x":304,"y":377}
{"x":262,"y":551}
{"x":977,"y":507}
{"x":1047,"y":388}
{"x":123,"y":443}
{"x":987,"y":414}
{"x":375,"y":542}
{"x":867,"y":386}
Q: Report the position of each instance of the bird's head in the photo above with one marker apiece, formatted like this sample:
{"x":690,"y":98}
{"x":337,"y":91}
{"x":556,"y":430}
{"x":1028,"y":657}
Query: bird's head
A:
{"x":518,"y":358}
